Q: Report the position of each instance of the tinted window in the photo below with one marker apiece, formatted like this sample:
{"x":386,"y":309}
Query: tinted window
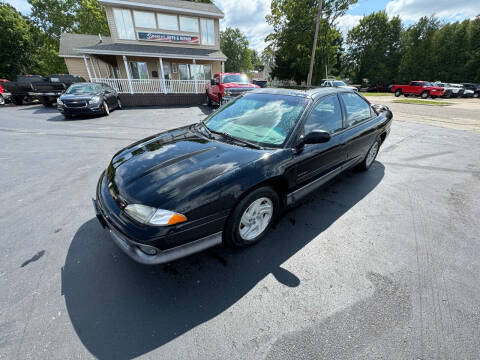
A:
{"x":265,"y":119}
{"x":84,"y":89}
{"x":326,"y":116}
{"x":357,"y":108}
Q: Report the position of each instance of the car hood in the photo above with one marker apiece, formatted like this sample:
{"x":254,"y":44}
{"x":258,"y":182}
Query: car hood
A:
{"x":165,"y":170}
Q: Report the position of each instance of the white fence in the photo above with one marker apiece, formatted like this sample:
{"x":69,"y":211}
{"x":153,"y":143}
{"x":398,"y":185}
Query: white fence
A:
{"x":155,"y":86}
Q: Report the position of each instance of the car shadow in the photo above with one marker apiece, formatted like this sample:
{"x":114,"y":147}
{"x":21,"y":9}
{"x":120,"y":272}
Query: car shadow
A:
{"x":121,"y":309}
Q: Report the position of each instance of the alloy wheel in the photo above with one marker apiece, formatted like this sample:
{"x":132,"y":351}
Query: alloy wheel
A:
{"x":256,"y":219}
{"x":372,"y":154}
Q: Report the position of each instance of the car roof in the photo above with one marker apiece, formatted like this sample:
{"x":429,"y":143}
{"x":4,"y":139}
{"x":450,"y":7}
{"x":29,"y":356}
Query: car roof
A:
{"x":311,"y":93}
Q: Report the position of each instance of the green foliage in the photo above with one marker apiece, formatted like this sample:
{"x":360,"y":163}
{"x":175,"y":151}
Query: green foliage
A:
{"x":257,"y":62}
{"x":234,"y":45}
{"x":374,"y":49}
{"x":293,"y":23}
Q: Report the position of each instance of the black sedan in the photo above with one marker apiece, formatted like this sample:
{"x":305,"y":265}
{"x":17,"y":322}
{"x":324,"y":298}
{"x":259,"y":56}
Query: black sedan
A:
{"x":226,"y":179}
{"x":88,"y":99}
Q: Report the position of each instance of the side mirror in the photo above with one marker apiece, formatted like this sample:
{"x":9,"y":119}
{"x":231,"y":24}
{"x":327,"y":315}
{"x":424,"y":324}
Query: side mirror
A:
{"x":314,"y":137}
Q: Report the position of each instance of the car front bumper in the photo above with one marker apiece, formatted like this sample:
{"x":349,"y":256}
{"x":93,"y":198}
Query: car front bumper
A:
{"x":84,"y":110}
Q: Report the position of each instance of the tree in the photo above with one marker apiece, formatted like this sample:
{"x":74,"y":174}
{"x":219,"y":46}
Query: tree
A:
{"x":234,"y":45}
{"x":293,"y":23}
{"x":374,"y":49}
{"x":257,"y":62}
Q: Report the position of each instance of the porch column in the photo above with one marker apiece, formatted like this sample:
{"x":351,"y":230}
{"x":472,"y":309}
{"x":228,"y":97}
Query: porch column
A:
{"x":162,"y":74}
{"x":128,"y":74}
{"x":88,"y":69}
{"x":196,"y":81}
{"x":93,"y":67}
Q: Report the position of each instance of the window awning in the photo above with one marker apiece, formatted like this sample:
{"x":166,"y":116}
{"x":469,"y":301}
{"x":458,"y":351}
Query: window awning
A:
{"x":121,"y":49}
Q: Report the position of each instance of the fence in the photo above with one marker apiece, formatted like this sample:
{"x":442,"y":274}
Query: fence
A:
{"x":155,"y":86}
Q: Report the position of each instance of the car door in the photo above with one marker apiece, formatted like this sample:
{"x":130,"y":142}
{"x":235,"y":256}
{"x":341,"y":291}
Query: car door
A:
{"x":316,"y":160}
{"x":109,"y":96}
{"x":360,"y":132}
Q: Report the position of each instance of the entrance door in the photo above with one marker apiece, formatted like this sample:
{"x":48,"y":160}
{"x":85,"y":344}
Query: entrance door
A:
{"x":166,"y":71}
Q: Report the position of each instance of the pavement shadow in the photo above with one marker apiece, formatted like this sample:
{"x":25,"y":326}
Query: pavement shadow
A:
{"x":121,"y":309}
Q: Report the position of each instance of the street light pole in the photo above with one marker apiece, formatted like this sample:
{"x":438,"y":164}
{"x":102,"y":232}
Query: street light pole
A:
{"x":314,"y":47}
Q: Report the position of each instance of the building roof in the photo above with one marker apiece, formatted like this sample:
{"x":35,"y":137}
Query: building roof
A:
{"x":177,"y":6}
{"x":69,"y":42}
{"x":152,"y":51}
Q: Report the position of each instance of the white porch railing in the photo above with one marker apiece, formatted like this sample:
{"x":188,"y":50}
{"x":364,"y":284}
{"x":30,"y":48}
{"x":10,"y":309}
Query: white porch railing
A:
{"x":155,"y":86}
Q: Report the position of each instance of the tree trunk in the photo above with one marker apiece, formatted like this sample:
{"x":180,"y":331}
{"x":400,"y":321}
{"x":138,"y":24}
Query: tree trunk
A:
{"x":314,"y":47}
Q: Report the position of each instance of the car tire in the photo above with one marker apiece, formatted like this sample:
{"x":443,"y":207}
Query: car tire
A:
{"x":476,"y":95}
{"x":424,"y":95}
{"x":2,"y":100}
{"x":106,"y":110}
{"x":398,"y":93}
{"x":17,"y":100}
{"x":245,"y":225}
{"x":370,"y":156}
{"x":119,"y":104}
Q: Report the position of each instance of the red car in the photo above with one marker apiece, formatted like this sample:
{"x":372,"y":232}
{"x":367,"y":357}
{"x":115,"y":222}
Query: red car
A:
{"x":226,"y":86}
{"x":424,"y":89}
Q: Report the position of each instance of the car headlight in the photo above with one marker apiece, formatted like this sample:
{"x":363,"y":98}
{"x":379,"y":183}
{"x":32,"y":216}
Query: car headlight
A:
{"x":94,"y":100}
{"x":152,"y":216}
{"x":59,"y":102}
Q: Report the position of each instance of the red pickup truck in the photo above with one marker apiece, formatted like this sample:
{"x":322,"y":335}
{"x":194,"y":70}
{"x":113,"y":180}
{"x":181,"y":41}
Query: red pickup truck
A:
{"x":423,"y":89}
{"x":226,"y":86}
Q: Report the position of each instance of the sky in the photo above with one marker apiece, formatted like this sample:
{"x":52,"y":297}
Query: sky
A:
{"x":249,"y":15}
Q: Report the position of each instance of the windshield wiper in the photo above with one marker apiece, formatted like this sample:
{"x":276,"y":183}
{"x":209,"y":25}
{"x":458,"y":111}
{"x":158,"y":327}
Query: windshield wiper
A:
{"x":228,"y":136}
{"x":207,"y":130}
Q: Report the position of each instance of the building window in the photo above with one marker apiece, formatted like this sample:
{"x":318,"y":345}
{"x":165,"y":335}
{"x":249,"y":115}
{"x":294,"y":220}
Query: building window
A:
{"x":195,"y":71}
{"x":144,"y":19}
{"x":188,"y":24}
{"x":138,"y":70}
{"x":124,"y":24}
{"x":167,"y":22}
{"x":208,"y":32}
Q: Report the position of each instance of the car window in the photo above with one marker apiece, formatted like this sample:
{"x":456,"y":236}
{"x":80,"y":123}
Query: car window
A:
{"x":358,"y":109}
{"x":326,"y":116}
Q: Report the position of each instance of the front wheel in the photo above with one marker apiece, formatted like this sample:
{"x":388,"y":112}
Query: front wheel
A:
{"x":398,"y":93}
{"x":252,"y":217}
{"x":106,"y":110}
{"x":370,"y":157}
{"x":424,"y":95}
{"x":476,"y":95}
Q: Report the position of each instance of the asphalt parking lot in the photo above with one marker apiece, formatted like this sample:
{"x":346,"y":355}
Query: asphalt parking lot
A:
{"x":376,"y":265}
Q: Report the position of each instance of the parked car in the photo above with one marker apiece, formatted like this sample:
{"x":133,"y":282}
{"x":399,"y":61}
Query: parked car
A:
{"x":88,"y":99}
{"x":50,"y":89}
{"x":337,"y":84}
{"x":424,"y":89}
{"x":4,"y":93}
{"x":21,"y":90}
{"x":450,"y":90}
{"x":473,"y":87}
{"x":227,"y":86}
{"x":227,"y":178}
{"x":463,"y":92}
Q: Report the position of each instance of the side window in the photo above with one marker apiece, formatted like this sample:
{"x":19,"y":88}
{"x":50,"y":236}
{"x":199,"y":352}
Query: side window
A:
{"x":358,"y":109}
{"x":326,"y":116}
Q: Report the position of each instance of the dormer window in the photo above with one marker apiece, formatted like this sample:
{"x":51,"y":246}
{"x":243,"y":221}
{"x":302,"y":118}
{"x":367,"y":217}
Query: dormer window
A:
{"x":124,"y":24}
{"x":188,"y":24}
{"x":145,"y":19}
{"x":167,"y":22}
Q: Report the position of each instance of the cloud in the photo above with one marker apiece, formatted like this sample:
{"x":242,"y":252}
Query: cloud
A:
{"x":346,"y":22}
{"x":21,"y":5}
{"x":249,"y":17}
{"x":412,"y":10}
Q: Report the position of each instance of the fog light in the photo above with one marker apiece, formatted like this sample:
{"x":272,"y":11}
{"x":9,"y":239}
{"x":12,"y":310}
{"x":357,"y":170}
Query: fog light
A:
{"x":148,"y":250}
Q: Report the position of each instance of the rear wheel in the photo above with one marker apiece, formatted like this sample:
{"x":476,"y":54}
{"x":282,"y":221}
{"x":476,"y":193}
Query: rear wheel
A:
{"x":398,"y":93}
{"x":45,"y":102}
{"x":476,"y":95}
{"x":424,"y":95}
{"x":17,"y":100}
{"x":2,"y":100}
{"x":106,"y":110}
{"x":370,"y":157}
{"x":252,"y":217}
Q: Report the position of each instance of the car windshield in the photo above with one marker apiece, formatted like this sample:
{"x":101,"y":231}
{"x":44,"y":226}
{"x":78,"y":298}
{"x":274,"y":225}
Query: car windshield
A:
{"x":339,"y":83}
{"x":264,"y":119}
{"x":84,"y":89}
{"x":241,"y":79}
{"x":426,"y":83}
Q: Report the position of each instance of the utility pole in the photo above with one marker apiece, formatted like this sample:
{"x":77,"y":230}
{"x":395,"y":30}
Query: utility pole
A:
{"x":314,"y":47}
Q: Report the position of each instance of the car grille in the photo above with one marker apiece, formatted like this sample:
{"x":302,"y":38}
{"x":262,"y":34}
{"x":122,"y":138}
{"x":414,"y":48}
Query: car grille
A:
{"x":239,"y":91}
{"x":76,"y":103}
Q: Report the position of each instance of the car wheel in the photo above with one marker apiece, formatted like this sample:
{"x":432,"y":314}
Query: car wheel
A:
{"x":2,"y":100}
{"x":17,"y":100}
{"x":476,"y":95}
{"x":119,"y":104}
{"x":252,"y":217}
{"x":106,"y":109}
{"x":424,"y":95}
{"x":398,"y":93}
{"x":370,"y":157}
